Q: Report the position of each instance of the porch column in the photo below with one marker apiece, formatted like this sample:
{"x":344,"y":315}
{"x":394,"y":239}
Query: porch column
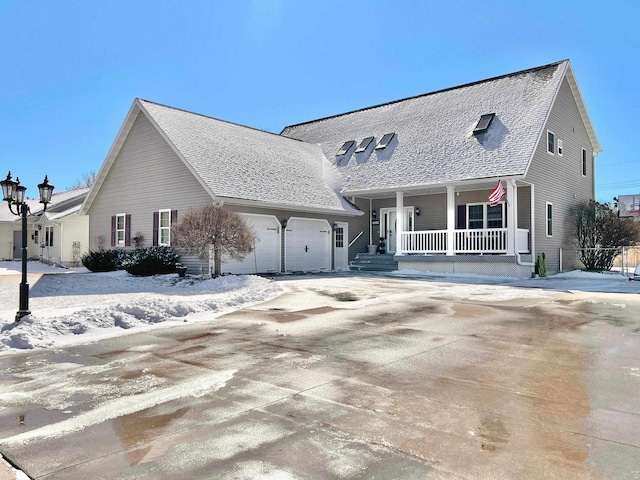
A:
{"x":399,"y":221}
{"x":451,"y":219}
{"x":512,"y":216}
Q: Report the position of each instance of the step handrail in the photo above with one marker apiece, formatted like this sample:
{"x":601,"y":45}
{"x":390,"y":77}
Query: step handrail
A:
{"x":357,"y":237}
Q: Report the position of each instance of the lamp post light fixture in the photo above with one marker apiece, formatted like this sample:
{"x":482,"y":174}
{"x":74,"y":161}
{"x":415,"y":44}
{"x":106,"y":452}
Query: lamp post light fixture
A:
{"x":14,"y":194}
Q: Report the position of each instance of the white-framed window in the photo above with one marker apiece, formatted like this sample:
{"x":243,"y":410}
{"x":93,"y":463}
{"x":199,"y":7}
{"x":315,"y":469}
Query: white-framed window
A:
{"x":560,"y":147}
{"x":164,"y":227}
{"x":48,"y":235}
{"x":483,"y":215}
{"x":551,"y":142}
{"x":584,"y":162}
{"x":121,"y":229}
{"x":549,"y":219}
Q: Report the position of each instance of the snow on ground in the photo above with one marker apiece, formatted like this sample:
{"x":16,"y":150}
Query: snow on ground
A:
{"x":85,"y":306}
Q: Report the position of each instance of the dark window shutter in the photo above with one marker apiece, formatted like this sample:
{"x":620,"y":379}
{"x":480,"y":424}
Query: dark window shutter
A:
{"x":113,"y":231}
{"x":127,"y":230}
{"x":156,"y":226}
{"x":461,"y":220}
{"x":174,"y":216}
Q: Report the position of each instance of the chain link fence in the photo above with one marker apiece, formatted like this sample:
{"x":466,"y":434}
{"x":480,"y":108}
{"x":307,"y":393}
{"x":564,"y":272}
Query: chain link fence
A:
{"x":625,"y":262}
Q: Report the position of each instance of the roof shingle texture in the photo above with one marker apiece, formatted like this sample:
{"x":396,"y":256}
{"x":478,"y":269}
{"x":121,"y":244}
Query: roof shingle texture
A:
{"x":240,"y":162}
{"x":434,"y":143}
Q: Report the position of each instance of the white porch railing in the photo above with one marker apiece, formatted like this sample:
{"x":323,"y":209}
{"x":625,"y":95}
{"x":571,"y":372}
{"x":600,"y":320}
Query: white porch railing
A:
{"x":491,"y":240}
{"x":427,"y":241}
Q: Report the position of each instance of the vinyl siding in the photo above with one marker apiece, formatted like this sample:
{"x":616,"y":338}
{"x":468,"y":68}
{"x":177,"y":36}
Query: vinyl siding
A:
{"x":145,"y":177}
{"x":559,"y":180}
{"x":74,"y":228}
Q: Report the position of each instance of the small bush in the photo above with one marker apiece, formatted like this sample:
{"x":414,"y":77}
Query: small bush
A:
{"x":104,"y":260}
{"x":151,"y":261}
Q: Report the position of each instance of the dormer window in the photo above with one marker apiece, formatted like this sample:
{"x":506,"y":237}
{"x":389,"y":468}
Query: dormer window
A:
{"x":385,"y":140}
{"x":364,"y":144}
{"x":346,"y":147}
{"x":483,"y":123}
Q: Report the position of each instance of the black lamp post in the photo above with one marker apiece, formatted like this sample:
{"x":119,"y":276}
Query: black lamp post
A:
{"x":14,"y":194}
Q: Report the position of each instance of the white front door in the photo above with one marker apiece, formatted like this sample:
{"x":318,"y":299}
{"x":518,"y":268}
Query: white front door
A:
{"x":389,"y":226}
{"x":341,"y":246}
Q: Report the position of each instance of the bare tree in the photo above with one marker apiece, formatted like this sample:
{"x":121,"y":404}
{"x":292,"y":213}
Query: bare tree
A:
{"x":210,"y":227}
{"x":600,"y":233}
{"x":88,"y":179}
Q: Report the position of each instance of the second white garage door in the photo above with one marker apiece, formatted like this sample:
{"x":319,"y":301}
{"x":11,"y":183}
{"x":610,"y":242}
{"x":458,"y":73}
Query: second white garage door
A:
{"x":307,"y":245}
{"x":266,"y":256}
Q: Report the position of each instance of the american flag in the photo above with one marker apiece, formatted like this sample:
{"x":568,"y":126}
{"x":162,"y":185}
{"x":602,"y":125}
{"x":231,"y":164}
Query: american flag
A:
{"x":496,"y":194}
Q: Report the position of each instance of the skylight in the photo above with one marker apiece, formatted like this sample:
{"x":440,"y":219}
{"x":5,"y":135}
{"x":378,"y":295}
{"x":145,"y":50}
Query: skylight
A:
{"x":346,"y":147}
{"x":484,"y":122}
{"x":364,"y":144}
{"x":385,"y":140}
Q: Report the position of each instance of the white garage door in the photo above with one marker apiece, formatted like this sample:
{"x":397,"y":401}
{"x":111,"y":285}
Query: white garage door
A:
{"x":266,"y":256}
{"x":307,"y":245}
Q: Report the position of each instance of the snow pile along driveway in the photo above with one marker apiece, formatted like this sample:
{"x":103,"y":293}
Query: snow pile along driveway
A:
{"x":118,"y":301}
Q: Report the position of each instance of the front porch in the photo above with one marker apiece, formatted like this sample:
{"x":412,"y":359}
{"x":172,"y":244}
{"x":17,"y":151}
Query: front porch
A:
{"x":456,"y":229}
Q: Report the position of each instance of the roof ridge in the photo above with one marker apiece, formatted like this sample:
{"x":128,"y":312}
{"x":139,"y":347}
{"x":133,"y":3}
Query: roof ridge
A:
{"x":209,"y":117}
{"x":470,"y":84}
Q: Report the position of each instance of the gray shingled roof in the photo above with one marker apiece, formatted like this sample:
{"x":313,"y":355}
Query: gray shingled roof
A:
{"x":60,"y":202}
{"x":434,"y":142}
{"x":244,"y":163}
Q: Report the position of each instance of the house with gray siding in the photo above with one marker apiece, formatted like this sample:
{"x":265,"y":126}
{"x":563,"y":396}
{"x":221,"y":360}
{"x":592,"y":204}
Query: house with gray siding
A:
{"x":415,"y":174}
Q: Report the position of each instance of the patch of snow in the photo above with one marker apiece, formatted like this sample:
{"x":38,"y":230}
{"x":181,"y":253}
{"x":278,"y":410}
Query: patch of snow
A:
{"x":69,"y":309}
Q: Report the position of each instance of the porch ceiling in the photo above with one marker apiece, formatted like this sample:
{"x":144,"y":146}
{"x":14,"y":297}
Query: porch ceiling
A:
{"x":412,"y":191}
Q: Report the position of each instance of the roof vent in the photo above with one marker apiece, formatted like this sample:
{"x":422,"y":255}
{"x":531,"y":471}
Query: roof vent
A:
{"x":346,"y":147}
{"x":483,"y":123}
{"x":385,"y":140}
{"x":364,"y":144}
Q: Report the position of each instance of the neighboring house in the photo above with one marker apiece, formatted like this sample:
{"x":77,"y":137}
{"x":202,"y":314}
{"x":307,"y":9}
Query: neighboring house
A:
{"x":629,"y":206}
{"x":60,"y":235}
{"x":321,"y":192}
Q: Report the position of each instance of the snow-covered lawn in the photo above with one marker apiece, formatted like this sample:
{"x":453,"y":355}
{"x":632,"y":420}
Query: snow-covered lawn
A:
{"x":82,"y":306}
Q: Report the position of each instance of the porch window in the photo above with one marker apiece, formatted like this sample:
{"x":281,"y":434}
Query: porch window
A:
{"x":475,"y":216}
{"x":48,"y":236}
{"x":494,"y":216}
{"x":483,"y":215}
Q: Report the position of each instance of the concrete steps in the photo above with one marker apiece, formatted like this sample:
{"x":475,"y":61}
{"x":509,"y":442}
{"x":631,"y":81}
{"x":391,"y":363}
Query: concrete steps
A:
{"x":366,"y":262}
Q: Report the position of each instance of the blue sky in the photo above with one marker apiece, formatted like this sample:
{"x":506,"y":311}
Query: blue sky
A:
{"x":71,"y":69}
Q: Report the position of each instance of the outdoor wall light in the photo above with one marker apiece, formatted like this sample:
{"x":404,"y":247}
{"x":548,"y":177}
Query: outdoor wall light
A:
{"x":417,"y":211}
{"x":374,"y":214}
{"x":14,"y":194}
{"x":284,"y":223}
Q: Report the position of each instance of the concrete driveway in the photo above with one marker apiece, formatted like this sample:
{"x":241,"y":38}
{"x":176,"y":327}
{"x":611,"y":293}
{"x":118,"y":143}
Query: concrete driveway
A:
{"x":344,"y":377}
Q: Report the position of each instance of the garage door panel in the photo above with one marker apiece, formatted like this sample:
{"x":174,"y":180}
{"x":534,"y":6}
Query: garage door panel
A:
{"x":307,"y":245}
{"x":265,"y":257}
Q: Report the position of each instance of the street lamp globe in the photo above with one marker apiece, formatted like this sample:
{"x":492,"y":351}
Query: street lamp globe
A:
{"x":8,"y":188}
